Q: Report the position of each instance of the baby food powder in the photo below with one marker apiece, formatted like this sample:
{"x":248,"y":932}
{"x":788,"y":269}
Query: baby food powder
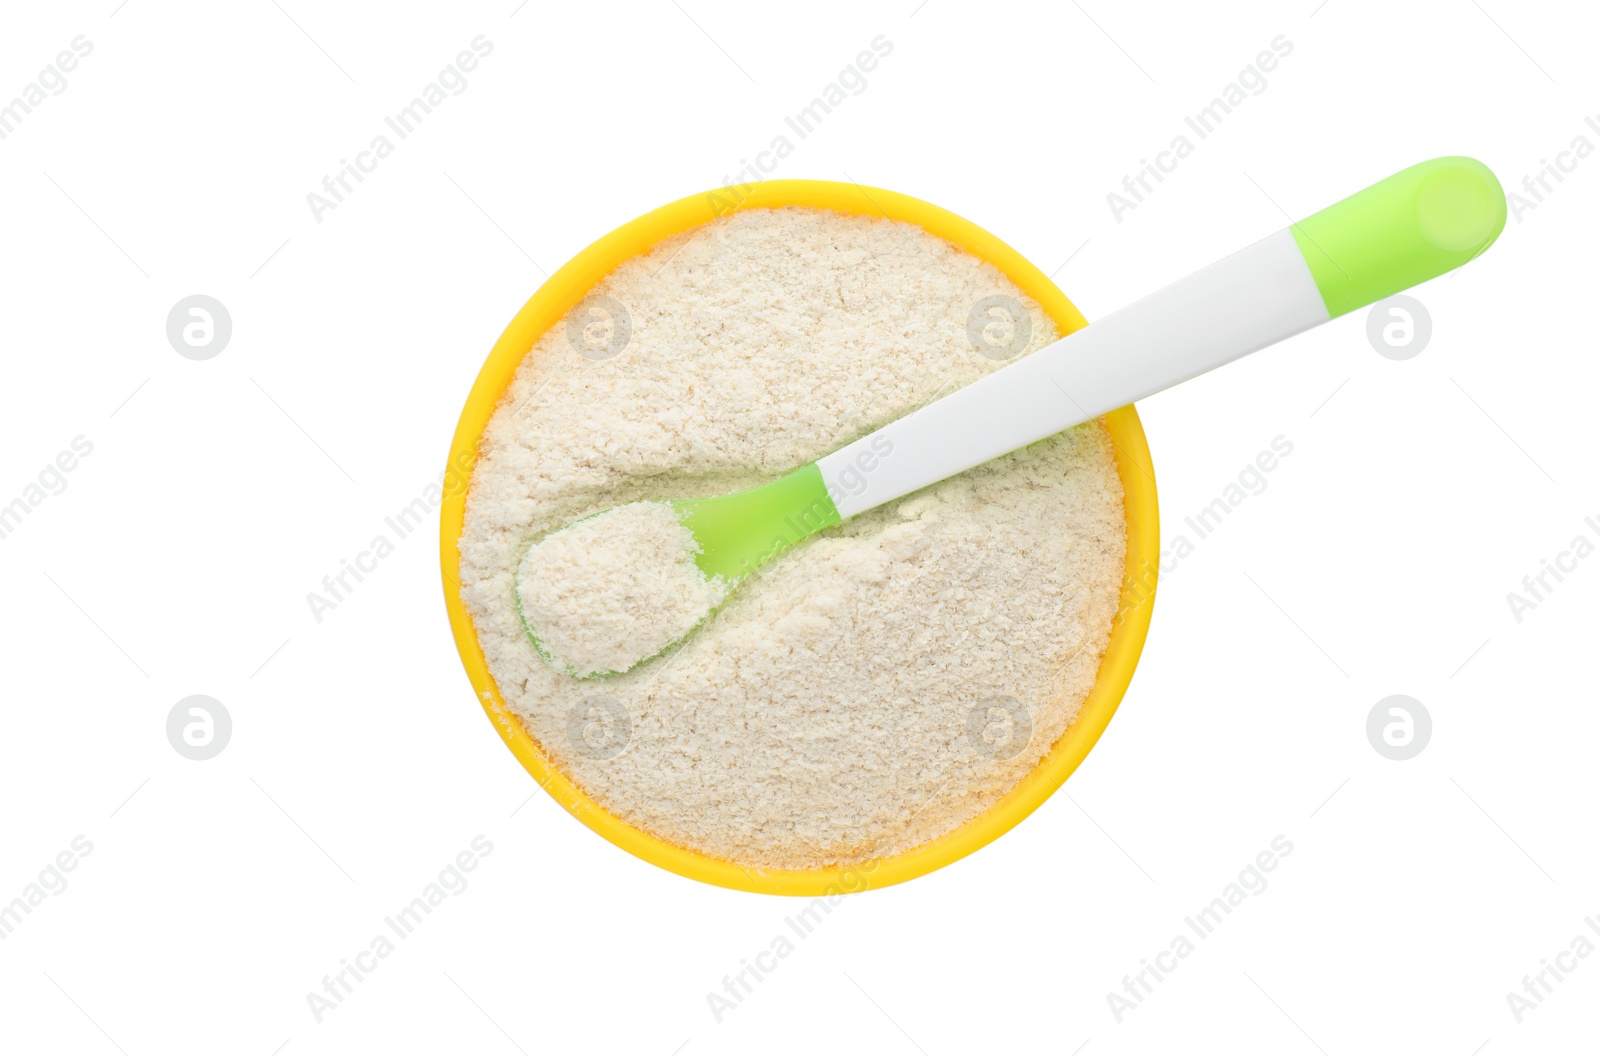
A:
{"x":615,"y":588}
{"x":882,"y":683}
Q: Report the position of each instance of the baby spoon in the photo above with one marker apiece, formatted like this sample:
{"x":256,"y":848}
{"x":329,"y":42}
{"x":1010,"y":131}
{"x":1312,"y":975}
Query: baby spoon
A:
{"x":1416,"y":225}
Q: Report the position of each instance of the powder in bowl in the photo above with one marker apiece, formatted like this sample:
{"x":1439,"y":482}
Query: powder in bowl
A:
{"x":891,"y":678}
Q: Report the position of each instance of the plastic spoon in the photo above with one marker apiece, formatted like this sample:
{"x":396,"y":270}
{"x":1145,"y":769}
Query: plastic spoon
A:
{"x":1416,"y":225}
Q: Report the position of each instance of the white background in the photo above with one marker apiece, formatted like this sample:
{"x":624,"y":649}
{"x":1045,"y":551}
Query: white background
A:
{"x":219,"y":493}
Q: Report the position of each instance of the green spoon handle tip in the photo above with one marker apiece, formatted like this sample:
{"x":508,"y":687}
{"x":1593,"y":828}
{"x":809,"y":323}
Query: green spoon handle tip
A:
{"x":1414,"y":226}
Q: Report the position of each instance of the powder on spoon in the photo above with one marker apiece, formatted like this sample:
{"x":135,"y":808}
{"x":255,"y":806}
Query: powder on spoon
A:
{"x":879,"y":685}
{"x":607,"y":592}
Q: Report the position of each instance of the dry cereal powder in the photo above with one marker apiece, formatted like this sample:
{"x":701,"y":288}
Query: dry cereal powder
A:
{"x":877,"y":686}
{"x":615,"y":588}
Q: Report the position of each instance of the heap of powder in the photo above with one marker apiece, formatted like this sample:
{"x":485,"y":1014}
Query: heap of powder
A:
{"x":877,"y":686}
{"x":615,"y":588}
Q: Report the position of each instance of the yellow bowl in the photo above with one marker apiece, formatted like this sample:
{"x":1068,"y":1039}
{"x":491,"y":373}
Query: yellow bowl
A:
{"x":564,"y":290}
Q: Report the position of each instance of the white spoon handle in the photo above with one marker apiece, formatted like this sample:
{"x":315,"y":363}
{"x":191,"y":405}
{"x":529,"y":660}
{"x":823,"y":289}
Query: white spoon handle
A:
{"x":1415,"y":225}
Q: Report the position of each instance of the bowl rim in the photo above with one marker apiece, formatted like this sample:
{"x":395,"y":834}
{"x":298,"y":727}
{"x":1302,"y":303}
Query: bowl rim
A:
{"x":563,"y":290}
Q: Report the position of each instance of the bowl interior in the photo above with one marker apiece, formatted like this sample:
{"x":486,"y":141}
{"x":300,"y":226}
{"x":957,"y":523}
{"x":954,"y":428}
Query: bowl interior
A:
{"x":561,"y":293}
